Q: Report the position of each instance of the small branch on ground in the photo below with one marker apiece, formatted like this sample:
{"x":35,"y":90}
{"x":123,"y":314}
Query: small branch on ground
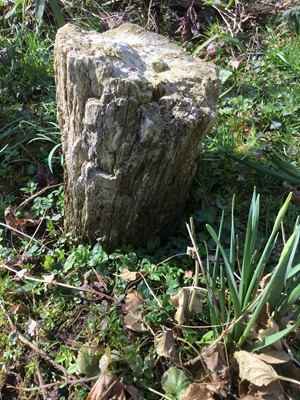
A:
{"x":54,"y":282}
{"x":37,"y":350}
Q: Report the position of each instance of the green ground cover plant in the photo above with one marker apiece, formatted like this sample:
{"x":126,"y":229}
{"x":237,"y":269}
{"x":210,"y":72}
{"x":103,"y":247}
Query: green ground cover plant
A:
{"x":192,"y":317}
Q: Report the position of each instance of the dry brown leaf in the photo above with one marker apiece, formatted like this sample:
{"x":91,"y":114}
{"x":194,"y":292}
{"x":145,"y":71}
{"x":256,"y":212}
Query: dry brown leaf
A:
{"x":254,"y":370}
{"x":233,"y":63}
{"x":131,"y":276}
{"x":135,"y":322}
{"x":106,"y":388}
{"x":50,"y":281}
{"x":18,"y":223}
{"x":25,"y":224}
{"x":189,"y":25}
{"x":265,"y":280}
{"x":273,"y":356}
{"x":214,"y":358}
{"x":134,"y":318}
{"x":20,"y":261}
{"x":211,"y":51}
{"x":296,"y":197}
{"x":197,"y":391}
{"x":271,"y":328}
{"x":165,"y":344}
{"x":181,"y":300}
{"x":33,"y":326}
{"x":133,"y":300}
{"x":248,"y":391}
{"x":22,"y":274}
{"x":191,"y":251}
{"x":19,"y":309}
{"x":220,"y":388}
{"x":198,"y":300}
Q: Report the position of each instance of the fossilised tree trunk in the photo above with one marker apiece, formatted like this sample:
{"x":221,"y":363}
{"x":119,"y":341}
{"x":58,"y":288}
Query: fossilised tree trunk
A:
{"x":133,"y":108}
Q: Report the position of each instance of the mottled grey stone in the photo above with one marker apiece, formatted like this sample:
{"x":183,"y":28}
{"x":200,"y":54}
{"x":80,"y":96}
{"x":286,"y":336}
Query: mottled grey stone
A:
{"x":133,"y":108}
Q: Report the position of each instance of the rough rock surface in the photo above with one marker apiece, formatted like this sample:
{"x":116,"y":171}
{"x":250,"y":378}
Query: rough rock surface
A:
{"x":133,"y":108}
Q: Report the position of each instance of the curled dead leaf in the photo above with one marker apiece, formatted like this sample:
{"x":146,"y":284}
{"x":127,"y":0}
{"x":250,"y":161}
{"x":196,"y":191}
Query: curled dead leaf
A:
{"x":273,"y":391}
{"x":19,"y":309}
{"x":214,"y":358}
{"x":135,"y":322}
{"x":296,"y":197}
{"x":50,"y":281}
{"x":33,"y":327}
{"x":191,"y":251}
{"x":271,"y":328}
{"x":131,"y":276}
{"x":197,"y":391}
{"x":234,"y":63}
{"x":134,"y":318}
{"x":181,"y":300}
{"x":265,"y":280}
{"x":164,"y":342}
{"x":26,"y":224}
{"x":254,"y":370}
{"x":272,"y":356}
{"x":108,"y":387}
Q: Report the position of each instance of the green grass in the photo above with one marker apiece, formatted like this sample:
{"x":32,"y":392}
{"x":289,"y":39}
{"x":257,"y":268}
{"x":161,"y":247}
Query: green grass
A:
{"x":27,"y":98}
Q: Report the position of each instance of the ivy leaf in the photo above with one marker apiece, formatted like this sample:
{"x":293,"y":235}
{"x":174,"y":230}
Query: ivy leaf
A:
{"x":88,"y":361}
{"x":174,"y":382}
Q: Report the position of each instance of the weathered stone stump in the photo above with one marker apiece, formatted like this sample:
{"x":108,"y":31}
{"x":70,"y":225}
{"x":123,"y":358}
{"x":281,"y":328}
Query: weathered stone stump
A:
{"x":133,"y":108}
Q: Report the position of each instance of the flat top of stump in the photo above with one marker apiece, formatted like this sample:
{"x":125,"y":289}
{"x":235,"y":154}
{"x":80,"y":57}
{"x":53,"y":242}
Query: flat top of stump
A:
{"x":137,"y":51}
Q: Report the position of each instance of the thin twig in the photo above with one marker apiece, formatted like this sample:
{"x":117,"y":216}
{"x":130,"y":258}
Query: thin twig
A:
{"x":24,"y":234}
{"x":153,"y":391}
{"x":196,"y":251}
{"x":196,"y":274}
{"x":151,"y":18}
{"x":168,"y":259}
{"x":44,"y":355}
{"x":80,"y":289}
{"x":40,"y":352}
{"x":107,"y":391}
{"x":33,"y":236}
{"x":52,"y":384}
{"x":41,"y":380}
{"x":37,"y":194}
{"x":36,"y":349}
{"x":151,"y":291}
{"x":38,"y":370}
